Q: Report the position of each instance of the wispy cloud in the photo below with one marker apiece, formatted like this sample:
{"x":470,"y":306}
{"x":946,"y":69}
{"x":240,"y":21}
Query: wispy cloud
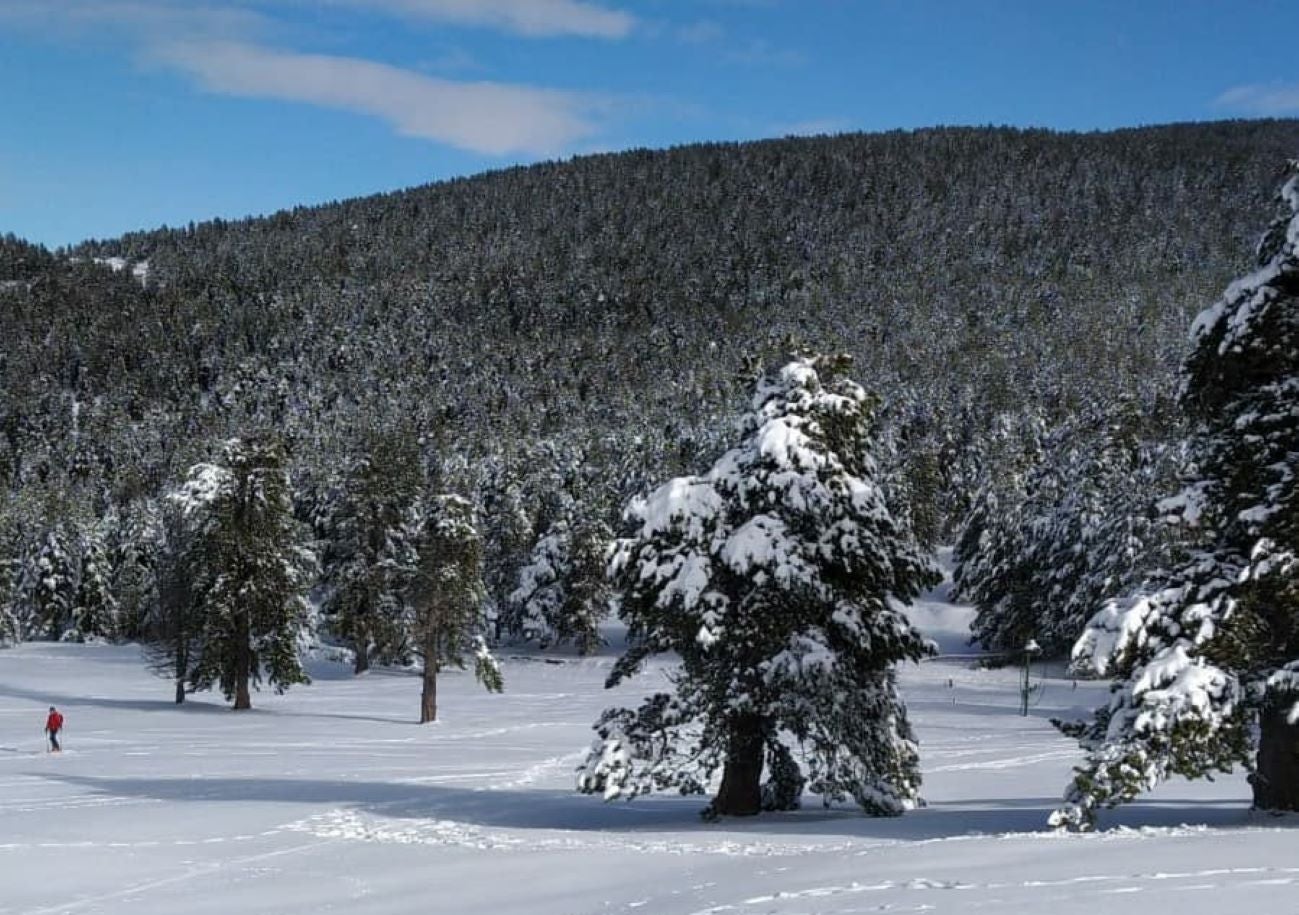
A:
{"x":1271,"y":99}
{"x":144,"y":20}
{"x":484,"y":117}
{"x":530,"y":18}
{"x":235,"y":48}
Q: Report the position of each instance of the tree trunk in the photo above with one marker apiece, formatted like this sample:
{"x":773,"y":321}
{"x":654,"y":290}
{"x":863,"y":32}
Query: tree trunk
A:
{"x":428,"y":706}
{"x":243,"y":663}
{"x":1276,"y":777}
{"x":428,"y":700}
{"x":741,"y":791}
{"x":361,"y":650}
{"x":182,"y":668}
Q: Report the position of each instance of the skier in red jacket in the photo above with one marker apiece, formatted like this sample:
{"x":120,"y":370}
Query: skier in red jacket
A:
{"x":53,"y":725}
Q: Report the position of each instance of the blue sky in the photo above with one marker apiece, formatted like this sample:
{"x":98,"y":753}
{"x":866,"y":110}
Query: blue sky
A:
{"x":125,"y":114}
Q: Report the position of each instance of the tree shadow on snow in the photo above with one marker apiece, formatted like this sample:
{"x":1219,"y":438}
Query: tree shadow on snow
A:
{"x":69,"y":701}
{"x":411,"y":719}
{"x":66,"y":701}
{"x":501,"y":808}
{"x":548,"y":809}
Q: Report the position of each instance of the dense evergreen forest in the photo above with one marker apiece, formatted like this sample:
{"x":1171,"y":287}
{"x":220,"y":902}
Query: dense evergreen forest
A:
{"x":549,"y":341}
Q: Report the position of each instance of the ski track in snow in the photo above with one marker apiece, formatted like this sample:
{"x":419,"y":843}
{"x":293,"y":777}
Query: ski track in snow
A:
{"x":1008,"y":762}
{"x":349,"y":825}
{"x":193,"y":872}
{"x":1098,"y":882}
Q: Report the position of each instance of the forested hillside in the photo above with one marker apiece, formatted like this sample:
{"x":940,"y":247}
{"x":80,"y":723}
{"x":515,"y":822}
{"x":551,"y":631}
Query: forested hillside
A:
{"x":550,"y":340}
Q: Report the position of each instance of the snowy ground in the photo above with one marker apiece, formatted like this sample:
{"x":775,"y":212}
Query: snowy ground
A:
{"x":330,"y":798}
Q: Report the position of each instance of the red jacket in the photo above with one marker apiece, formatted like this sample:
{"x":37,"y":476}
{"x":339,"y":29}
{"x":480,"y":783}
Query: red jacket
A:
{"x":54,"y":723}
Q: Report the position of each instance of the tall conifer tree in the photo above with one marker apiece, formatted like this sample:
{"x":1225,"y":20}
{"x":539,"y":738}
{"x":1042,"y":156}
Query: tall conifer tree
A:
{"x":251,"y":570}
{"x":446,"y":599}
{"x":780,"y":578}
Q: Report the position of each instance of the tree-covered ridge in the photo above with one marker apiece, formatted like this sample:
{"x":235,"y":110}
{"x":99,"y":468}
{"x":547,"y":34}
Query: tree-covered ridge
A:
{"x":585,"y":327}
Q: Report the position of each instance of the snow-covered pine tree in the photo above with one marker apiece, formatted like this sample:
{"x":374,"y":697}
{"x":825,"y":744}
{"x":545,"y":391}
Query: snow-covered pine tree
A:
{"x":781,"y":580}
{"x":507,"y":536}
{"x":47,"y":586}
{"x":1206,"y":657}
{"x":173,"y":625}
{"x":991,"y":569}
{"x":1100,"y":535}
{"x":994,"y":560}
{"x":563,"y":593}
{"x":94,"y":609}
{"x":1039,"y":557}
{"x":250,"y":568}
{"x":137,"y":545}
{"x":445,"y":599}
{"x":10,"y":550}
{"x":368,"y":557}
{"x":9,"y":627}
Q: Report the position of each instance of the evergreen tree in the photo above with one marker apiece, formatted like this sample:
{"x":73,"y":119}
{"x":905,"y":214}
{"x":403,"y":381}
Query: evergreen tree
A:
{"x":445,"y":599}
{"x":368,"y":553}
{"x":95,"y":608}
{"x":1042,"y":551}
{"x":10,"y":549}
{"x":47,"y":586}
{"x":780,"y":578}
{"x":250,"y":569}
{"x":1206,"y":657}
{"x":138,"y":544}
{"x":507,"y":538}
{"x":174,"y":624}
{"x":563,"y":593}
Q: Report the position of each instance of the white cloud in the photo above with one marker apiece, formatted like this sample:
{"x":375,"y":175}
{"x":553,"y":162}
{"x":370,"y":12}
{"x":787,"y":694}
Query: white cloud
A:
{"x":227,"y":48}
{"x":531,"y":18}
{"x":528,"y":18}
{"x":484,"y":117}
{"x":1272,"y":99}
{"x":146,"y":19}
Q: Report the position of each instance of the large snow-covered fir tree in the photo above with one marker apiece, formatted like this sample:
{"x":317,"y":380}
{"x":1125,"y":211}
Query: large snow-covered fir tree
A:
{"x":250,"y":569}
{"x":780,"y":579}
{"x":445,"y":599}
{"x":1206,"y":657}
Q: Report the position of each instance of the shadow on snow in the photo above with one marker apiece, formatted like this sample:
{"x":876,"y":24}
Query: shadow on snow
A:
{"x":560,"y":810}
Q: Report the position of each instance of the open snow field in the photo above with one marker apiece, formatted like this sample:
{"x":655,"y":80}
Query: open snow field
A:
{"x":331,"y":798}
